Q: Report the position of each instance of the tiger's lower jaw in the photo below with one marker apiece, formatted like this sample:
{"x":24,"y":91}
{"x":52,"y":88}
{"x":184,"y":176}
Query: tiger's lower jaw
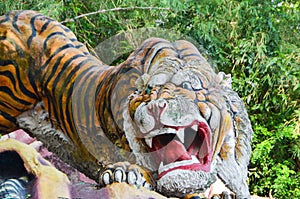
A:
{"x":192,"y":165}
{"x":178,"y":183}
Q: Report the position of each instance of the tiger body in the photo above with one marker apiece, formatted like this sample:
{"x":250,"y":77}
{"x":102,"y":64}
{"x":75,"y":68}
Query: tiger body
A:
{"x":32,"y":61}
{"x":164,"y":105}
{"x":41,"y":60}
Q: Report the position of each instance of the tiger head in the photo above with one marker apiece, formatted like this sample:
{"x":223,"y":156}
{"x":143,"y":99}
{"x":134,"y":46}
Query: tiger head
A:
{"x":180,"y":121}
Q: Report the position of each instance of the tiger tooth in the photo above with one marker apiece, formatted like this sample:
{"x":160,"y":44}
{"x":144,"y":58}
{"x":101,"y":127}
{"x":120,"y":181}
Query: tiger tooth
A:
{"x":160,"y":168}
{"x":167,"y":167}
{"x":149,"y":142}
{"x":195,"y":127}
{"x":180,"y":134}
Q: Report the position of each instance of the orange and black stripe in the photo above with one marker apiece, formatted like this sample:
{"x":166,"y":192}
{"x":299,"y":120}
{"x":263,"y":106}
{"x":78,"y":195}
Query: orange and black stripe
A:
{"x":41,"y":60}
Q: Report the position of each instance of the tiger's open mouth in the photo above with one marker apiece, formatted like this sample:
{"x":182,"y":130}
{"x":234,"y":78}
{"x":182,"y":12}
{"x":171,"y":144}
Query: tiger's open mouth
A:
{"x":180,"y":147}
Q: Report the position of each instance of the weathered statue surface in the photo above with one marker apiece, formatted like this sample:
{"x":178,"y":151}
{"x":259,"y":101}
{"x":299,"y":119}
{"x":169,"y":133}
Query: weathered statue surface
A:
{"x":163,"y":119}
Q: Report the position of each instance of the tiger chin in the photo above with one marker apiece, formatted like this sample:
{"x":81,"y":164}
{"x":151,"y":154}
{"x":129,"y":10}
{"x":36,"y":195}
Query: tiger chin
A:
{"x":164,"y":105}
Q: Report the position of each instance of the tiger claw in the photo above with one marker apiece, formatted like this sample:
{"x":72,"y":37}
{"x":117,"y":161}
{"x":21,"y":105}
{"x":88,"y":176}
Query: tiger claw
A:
{"x":227,"y":195}
{"x":108,"y":177}
{"x":125,"y":172}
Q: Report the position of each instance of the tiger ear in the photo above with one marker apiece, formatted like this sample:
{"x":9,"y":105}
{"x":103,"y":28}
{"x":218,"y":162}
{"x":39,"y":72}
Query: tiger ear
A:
{"x":224,"y":80}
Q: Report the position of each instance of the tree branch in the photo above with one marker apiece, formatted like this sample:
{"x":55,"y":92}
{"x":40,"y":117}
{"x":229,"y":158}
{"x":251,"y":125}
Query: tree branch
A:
{"x":113,"y":9}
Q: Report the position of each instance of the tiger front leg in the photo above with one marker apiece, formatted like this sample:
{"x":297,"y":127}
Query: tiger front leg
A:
{"x":128,"y":173}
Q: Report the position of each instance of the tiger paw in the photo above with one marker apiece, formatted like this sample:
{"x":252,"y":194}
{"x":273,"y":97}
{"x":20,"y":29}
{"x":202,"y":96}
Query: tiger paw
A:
{"x":218,"y":190}
{"x":126,"y":172}
{"x":224,"y":195}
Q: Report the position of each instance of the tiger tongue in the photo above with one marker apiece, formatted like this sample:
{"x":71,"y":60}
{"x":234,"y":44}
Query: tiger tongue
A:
{"x":173,"y":151}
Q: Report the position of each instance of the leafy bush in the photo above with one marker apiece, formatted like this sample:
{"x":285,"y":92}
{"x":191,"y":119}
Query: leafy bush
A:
{"x":256,"y":41}
{"x":273,"y":161}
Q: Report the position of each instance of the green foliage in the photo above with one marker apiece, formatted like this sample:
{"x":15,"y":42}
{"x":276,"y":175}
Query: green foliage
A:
{"x":273,"y":161}
{"x":256,"y":41}
{"x":52,"y":8}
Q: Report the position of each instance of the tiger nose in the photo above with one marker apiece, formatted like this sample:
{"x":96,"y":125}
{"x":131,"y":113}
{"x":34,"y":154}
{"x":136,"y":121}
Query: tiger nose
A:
{"x":161,"y":103}
{"x":157,"y":107}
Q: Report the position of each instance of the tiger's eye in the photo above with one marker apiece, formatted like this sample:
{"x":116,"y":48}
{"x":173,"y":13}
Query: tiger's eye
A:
{"x":148,"y":90}
{"x":187,"y":85}
{"x":136,"y":91}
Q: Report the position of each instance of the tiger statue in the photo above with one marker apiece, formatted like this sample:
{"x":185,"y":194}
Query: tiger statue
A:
{"x":162,"y":119}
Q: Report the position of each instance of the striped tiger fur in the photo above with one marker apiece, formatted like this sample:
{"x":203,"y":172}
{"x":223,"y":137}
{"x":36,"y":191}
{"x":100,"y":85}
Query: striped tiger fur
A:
{"x":165,"y":105}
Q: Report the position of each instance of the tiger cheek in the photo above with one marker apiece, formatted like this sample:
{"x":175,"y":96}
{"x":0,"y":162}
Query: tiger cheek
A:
{"x":133,"y":106}
{"x":200,"y":96}
{"x":204,"y":110}
{"x":192,"y":95}
{"x":225,"y":150}
{"x":136,"y":101}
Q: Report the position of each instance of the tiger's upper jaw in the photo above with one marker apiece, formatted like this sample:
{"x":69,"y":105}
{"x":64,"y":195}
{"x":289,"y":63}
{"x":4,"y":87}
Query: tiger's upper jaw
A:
{"x":175,"y":134}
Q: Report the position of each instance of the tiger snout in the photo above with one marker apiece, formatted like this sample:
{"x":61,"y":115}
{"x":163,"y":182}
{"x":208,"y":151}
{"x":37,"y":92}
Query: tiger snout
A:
{"x":176,"y":134}
{"x":166,"y":113}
